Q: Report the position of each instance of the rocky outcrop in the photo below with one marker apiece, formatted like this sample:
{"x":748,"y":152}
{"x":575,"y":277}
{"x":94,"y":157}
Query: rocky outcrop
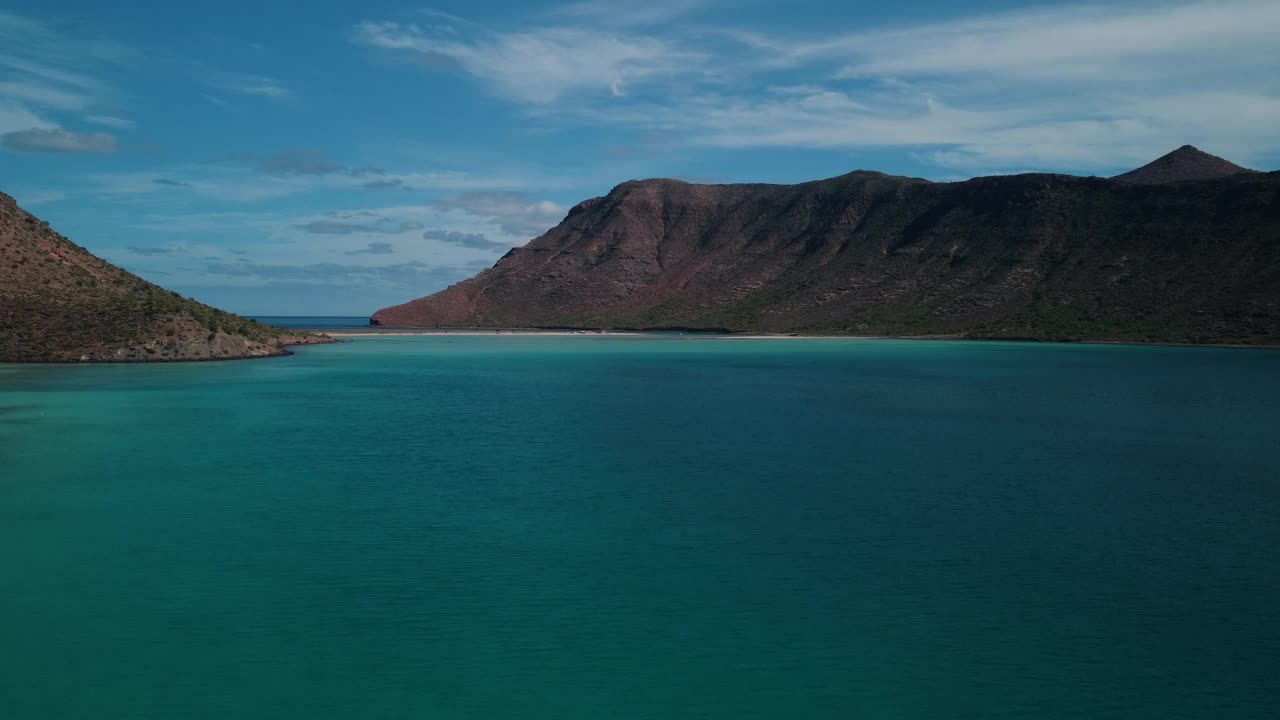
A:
{"x":1028,"y":256}
{"x":60,"y":303}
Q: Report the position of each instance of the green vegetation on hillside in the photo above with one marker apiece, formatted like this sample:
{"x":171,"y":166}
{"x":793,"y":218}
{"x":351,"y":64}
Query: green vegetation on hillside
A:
{"x":59,"y":302}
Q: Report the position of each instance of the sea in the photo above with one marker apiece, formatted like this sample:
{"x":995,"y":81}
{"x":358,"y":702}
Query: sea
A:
{"x":314,"y":322}
{"x":645,"y":527}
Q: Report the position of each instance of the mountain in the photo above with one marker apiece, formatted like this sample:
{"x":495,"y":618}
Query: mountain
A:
{"x":1028,"y":256}
{"x":1185,"y":163}
{"x":60,"y":303}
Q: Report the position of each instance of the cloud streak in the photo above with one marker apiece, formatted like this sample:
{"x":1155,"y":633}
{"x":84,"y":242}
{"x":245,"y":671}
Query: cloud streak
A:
{"x":59,"y":141}
{"x":412,"y":276}
{"x":337,"y":227}
{"x":110,"y":121}
{"x":299,"y":161}
{"x":137,"y":250}
{"x":249,"y":85}
{"x":473,"y":241}
{"x":373,"y":248}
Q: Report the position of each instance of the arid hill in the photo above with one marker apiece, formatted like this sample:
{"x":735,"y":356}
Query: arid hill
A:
{"x":1185,"y":163}
{"x":60,"y":303}
{"x":1026,"y":256}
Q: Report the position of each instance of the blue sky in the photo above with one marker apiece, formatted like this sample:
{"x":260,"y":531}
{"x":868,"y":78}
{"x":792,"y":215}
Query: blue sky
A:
{"x":333,"y":160}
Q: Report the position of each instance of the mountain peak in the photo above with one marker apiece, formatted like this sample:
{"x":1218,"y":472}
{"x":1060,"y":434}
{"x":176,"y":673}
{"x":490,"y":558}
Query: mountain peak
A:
{"x":1186,"y":163}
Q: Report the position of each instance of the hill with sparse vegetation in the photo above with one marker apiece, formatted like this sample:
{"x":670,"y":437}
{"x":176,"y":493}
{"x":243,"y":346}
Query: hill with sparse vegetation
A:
{"x":60,"y":303}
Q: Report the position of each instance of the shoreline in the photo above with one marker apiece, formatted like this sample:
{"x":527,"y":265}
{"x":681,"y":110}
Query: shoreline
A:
{"x":282,"y":349}
{"x":532,"y":332}
{"x":348,"y":332}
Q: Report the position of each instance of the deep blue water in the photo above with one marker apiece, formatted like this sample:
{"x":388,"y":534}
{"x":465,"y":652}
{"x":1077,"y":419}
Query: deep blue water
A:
{"x":565,"y":527}
{"x":314,"y":322}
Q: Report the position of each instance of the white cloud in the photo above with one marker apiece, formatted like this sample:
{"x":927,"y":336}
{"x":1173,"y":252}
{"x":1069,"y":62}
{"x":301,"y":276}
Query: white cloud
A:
{"x":42,"y":95}
{"x":1083,"y":42}
{"x":14,"y":116}
{"x":516,"y":214}
{"x":1080,"y":87}
{"x":539,"y":65}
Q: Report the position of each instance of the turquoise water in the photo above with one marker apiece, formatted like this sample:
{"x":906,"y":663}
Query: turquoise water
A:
{"x":314,"y":322}
{"x":592,"y":527}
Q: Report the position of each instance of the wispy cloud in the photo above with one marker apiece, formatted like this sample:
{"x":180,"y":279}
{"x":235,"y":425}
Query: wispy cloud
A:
{"x":110,"y":121}
{"x":151,"y":250}
{"x":249,"y":85}
{"x":49,"y":75}
{"x":373,"y":248}
{"x":42,"y":95}
{"x":1095,"y":43}
{"x":16,"y":117}
{"x":383,"y":226}
{"x":42,"y":70}
{"x":304,"y":161}
{"x":514,"y":213}
{"x":626,"y":13}
{"x":411,"y":276}
{"x":260,"y":178}
{"x":58,"y":141}
{"x":388,"y":184}
{"x":39,"y":197}
{"x":474,"y":241}
{"x":539,"y":65}
{"x":1081,"y":86}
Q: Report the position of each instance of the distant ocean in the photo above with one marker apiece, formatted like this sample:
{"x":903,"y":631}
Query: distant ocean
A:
{"x":314,"y":322}
{"x":645,"y":527}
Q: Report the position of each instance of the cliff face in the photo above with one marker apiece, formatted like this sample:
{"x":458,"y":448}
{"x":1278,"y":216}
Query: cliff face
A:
{"x":1035,"y":256}
{"x":60,"y":303}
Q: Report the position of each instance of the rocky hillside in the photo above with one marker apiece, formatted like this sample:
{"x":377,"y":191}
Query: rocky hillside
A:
{"x":59,"y":303}
{"x":1027,"y":256}
{"x":1185,"y":163}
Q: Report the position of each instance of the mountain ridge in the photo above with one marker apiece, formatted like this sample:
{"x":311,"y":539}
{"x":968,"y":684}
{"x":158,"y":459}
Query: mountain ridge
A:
{"x":1044,"y":256}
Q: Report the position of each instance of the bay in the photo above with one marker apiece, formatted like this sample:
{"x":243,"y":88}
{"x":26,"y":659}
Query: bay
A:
{"x":644,"y":527}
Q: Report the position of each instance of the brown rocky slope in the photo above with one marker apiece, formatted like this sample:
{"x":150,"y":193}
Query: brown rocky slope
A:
{"x":1185,"y":163}
{"x":1029,"y":256}
{"x":60,"y":303}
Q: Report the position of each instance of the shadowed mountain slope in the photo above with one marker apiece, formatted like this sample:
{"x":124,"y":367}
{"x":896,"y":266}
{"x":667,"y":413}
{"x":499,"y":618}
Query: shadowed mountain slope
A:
{"x":1028,"y":256}
{"x":1185,"y":163}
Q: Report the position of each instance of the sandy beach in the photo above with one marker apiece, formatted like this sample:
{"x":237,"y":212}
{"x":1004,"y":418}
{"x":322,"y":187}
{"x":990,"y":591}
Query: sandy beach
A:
{"x":348,"y":332}
{"x":480,"y":333}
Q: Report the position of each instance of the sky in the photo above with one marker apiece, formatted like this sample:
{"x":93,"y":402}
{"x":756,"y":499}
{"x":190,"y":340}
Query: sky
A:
{"x":332,"y":158}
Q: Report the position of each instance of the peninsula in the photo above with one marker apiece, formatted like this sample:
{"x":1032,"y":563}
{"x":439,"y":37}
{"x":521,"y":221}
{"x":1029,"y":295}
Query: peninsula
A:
{"x":61,"y":303}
